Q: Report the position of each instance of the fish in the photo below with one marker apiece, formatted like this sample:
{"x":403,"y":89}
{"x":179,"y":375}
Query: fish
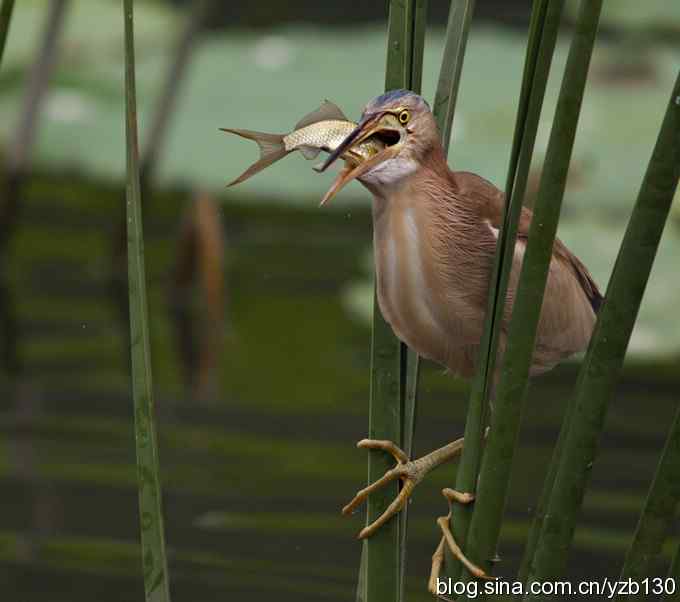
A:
{"x":322,"y":130}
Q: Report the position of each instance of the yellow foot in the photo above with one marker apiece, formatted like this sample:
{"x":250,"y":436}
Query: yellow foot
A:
{"x":448,"y":540}
{"x":409,"y":472}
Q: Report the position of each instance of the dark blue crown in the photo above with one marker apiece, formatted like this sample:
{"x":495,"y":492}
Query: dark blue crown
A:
{"x":393,"y":96}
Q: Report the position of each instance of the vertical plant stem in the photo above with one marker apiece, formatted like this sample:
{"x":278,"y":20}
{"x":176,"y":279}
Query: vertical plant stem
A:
{"x":5,"y":18}
{"x":544,"y":498}
{"x":410,"y":377}
{"x":457,"y":28}
{"x":382,"y":549}
{"x":658,"y":512}
{"x":410,"y":362}
{"x":542,"y":36}
{"x":394,"y":369}
{"x":418,"y":30}
{"x":497,"y":461}
{"x":155,"y":567}
{"x":604,"y":359}
{"x":409,"y":358}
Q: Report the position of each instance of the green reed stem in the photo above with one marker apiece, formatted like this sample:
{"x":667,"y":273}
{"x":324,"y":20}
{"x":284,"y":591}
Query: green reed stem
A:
{"x":604,"y":359}
{"x":658,"y":512}
{"x":5,"y":18}
{"x":155,"y":566}
{"x":444,"y":107}
{"x":394,"y":369}
{"x":455,"y":43}
{"x":410,"y":360}
{"x":542,"y":36}
{"x":496,"y":466}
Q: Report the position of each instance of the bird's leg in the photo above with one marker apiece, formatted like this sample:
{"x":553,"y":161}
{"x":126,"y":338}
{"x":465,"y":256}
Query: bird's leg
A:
{"x":447,"y":540}
{"x":437,"y":563}
{"x":411,"y":472}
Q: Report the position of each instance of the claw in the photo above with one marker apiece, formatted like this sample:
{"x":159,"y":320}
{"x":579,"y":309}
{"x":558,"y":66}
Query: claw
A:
{"x":396,"y":452}
{"x":409,"y":472}
{"x":458,"y":496}
{"x":435,"y":571}
{"x":448,"y":540}
{"x":400,"y":471}
{"x":475,"y":571}
{"x":361,"y":495}
{"x":394,"y":508}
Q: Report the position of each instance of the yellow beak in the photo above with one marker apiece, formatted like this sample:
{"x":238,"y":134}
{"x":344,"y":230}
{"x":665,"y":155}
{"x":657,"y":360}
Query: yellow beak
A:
{"x":369,"y":126}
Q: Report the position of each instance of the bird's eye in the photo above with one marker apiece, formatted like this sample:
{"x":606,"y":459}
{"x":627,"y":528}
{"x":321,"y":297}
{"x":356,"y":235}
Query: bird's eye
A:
{"x":404,"y":116}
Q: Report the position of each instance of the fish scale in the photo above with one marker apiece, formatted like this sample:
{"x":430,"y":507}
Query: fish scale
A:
{"x":322,"y":130}
{"x":327,"y":136}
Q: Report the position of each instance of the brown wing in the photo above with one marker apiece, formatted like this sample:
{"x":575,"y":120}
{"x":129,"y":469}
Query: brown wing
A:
{"x":571,"y":298}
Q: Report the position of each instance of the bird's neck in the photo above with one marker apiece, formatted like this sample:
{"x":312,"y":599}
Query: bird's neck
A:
{"x":444,"y":220}
{"x":430,"y":189}
{"x":388,"y":178}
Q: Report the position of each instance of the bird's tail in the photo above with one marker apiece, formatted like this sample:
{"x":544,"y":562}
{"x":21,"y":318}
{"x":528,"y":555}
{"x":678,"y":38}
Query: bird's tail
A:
{"x":272,"y":148}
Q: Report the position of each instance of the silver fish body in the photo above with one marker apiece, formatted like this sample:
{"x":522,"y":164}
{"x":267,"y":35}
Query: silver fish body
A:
{"x":322,"y":130}
{"x":327,"y":136}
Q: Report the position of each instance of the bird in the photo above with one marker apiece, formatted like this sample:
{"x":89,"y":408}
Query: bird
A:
{"x":435,"y":233}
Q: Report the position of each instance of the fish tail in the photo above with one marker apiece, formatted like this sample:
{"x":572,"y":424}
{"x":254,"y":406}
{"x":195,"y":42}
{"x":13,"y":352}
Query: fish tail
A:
{"x":272,"y":148}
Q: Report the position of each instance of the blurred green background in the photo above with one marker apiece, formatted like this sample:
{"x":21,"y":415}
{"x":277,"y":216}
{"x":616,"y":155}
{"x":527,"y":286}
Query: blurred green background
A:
{"x":262,"y":388}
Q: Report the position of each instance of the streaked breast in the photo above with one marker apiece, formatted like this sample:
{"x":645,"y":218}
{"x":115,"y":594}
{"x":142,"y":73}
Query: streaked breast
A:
{"x":403,"y":293}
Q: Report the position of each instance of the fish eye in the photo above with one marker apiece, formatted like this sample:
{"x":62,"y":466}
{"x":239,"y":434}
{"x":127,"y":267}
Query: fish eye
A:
{"x":404,"y":116}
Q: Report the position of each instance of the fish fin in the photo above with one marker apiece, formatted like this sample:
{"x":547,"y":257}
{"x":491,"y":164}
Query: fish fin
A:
{"x":309,"y":152}
{"x":325,"y":112}
{"x":272,"y":148}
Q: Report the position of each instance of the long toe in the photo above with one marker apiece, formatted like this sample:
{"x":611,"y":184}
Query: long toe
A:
{"x":455,"y":550}
{"x":410,"y":472}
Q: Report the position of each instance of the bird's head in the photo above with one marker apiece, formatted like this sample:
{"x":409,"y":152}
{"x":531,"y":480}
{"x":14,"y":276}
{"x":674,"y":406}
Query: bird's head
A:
{"x":400,"y":119}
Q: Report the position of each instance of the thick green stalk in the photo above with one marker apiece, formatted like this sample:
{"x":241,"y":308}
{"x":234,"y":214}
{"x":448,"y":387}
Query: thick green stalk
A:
{"x":604,"y":359}
{"x":457,"y":28}
{"x":658,"y":512}
{"x":382,"y":549}
{"x":410,"y":357}
{"x":393,"y":368}
{"x":542,"y":36}
{"x":419,"y":27}
{"x":5,"y":18}
{"x":410,"y":360}
{"x":444,"y":107}
{"x":155,"y":566}
{"x":410,"y":377}
{"x":496,"y":466}
{"x":544,"y":498}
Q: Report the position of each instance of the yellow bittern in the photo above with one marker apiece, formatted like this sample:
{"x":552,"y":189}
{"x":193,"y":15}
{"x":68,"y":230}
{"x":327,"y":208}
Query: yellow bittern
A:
{"x":434,"y":236}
